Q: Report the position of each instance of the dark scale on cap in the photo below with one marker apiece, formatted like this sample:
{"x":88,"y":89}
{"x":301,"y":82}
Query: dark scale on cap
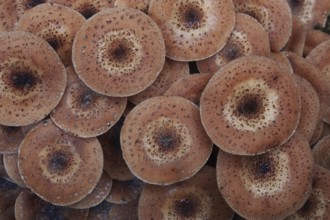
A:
{"x":33,"y":3}
{"x":249,"y":106}
{"x":187,"y":207}
{"x":192,"y":16}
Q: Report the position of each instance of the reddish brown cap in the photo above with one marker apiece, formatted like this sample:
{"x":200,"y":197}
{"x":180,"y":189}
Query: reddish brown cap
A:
{"x":11,"y":166}
{"x":28,"y":67}
{"x":123,"y":192}
{"x":85,"y":113}
{"x":10,"y":139}
{"x":314,"y":38}
{"x":60,"y":168}
{"x":274,"y":15}
{"x":123,"y":47}
{"x":195,"y":198}
{"x":273,"y":185}
{"x":8,"y":15}
{"x":250,"y":106}
{"x":193,"y":30}
{"x":317,"y":134}
{"x":247,"y":38}
{"x":281,"y":59}
{"x":297,"y":38}
{"x":142,"y":5}
{"x":163,"y":140}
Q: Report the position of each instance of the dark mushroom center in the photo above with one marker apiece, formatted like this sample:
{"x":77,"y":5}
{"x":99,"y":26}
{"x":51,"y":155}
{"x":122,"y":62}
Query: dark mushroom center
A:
{"x":23,"y":80}
{"x":121,"y":52}
{"x":59,"y":161}
{"x":232,"y":51}
{"x":33,"y":3}
{"x":263,"y":167}
{"x":166,"y":139}
{"x":191,"y":16}
{"x":87,"y":10}
{"x":186,"y":207}
{"x":249,"y":106}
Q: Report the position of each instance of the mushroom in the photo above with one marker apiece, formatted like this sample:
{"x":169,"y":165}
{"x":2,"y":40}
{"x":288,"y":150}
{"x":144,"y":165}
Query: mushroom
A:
{"x":297,"y":38}
{"x":163,"y":140}
{"x":193,"y":30}
{"x":317,"y":132}
{"x":8,"y":16}
{"x":142,"y":5}
{"x":11,"y":166}
{"x":10,"y":139}
{"x":65,"y":168}
{"x":321,"y":152}
{"x":314,"y":38}
{"x":123,"y":47}
{"x":250,"y":106}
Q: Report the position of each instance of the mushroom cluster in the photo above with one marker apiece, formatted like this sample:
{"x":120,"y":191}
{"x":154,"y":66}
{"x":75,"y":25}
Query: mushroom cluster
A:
{"x":164,"y":109}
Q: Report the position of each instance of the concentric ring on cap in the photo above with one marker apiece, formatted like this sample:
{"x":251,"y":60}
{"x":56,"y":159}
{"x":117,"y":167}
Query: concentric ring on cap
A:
{"x":28,"y":69}
{"x":58,"y":167}
{"x":163,"y":140}
{"x":250,"y":106}
{"x":193,"y":30}
{"x":123,"y":48}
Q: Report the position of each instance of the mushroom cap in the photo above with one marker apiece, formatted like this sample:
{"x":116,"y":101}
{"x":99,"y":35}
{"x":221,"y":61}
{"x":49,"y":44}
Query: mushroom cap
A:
{"x":317,"y":134}
{"x":99,"y":193}
{"x":171,"y":72}
{"x":195,"y":198}
{"x":23,"y":6}
{"x":85,"y":113}
{"x":124,"y":47}
{"x":247,"y":38}
{"x":250,"y":106}
{"x":193,"y":30}
{"x":28,"y":69}
{"x":142,"y":5}
{"x":163,"y":140}
{"x":58,"y":167}
{"x":123,"y":192}
{"x":125,"y":211}
{"x":274,"y":15}
{"x":28,"y":206}
{"x":321,"y":152}
{"x":54,"y":23}
{"x":273,"y":185}
{"x":281,"y":59}
{"x":314,"y":38}
{"x":189,"y":87}
{"x":11,"y":166}
{"x":8,"y":15}
{"x":10,"y":139}
{"x":297,"y":38}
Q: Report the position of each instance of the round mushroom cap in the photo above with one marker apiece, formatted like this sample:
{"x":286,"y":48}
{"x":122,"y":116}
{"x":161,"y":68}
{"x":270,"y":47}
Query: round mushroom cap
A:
{"x":142,"y":5}
{"x":58,"y":167}
{"x":54,"y":23}
{"x":123,"y":47}
{"x":163,"y":140}
{"x":10,"y":139}
{"x":274,"y":15}
{"x":171,"y":72}
{"x":247,"y":38}
{"x":195,"y":198}
{"x":193,"y":30}
{"x":124,"y":211}
{"x":321,"y":152}
{"x":87,"y":8}
{"x":85,"y":113}
{"x":297,"y":38}
{"x":250,"y":106}
{"x":273,"y":185}
{"x":314,"y":38}
{"x":28,"y":69}
{"x":317,"y":206}
{"x":28,"y":206}
{"x":99,"y":193}
{"x":11,"y":166}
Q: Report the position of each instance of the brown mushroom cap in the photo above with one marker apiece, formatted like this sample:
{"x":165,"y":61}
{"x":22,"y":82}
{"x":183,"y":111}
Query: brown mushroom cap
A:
{"x":317,"y":132}
{"x":54,"y":23}
{"x":125,"y":49}
{"x":297,"y":38}
{"x":274,"y":15}
{"x":11,"y":166}
{"x":23,"y":6}
{"x":28,"y":206}
{"x":172,"y":71}
{"x":163,"y":140}
{"x":124,"y":211}
{"x":87,"y":8}
{"x":273,"y":185}
{"x":189,"y":87}
{"x":314,"y":38}
{"x":60,"y":168}
{"x":317,"y":206}
{"x":247,"y":38}
{"x":193,"y":30}
{"x":28,"y":69}
{"x":281,"y":59}
{"x":8,"y":15}
{"x":99,"y":193}
{"x":142,"y":5}
{"x":123,"y":192}
{"x":85,"y":113}
{"x":321,"y":152}
{"x":99,"y":212}
{"x":250,"y":106}
{"x":195,"y":198}
{"x":10,"y":139}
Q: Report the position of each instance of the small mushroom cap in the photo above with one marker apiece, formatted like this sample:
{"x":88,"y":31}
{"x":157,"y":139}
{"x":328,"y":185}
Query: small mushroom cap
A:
{"x":193,"y":30}
{"x":189,"y":87}
{"x":10,"y":139}
{"x":99,"y":212}
{"x":124,"y":47}
{"x":195,"y":198}
{"x":142,"y":5}
{"x":273,"y":185}
{"x":274,"y":15}
{"x":247,"y":38}
{"x":250,"y":106}
{"x":171,"y":72}
{"x":314,"y":38}
{"x":123,"y":192}
{"x":125,"y":211}
{"x":28,"y":68}
{"x":163,"y":140}
{"x":321,"y":152}
{"x":85,"y":113}
{"x":28,"y":206}
{"x":11,"y":166}
{"x":297,"y":38}
{"x":58,"y":167}
{"x":99,"y":193}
